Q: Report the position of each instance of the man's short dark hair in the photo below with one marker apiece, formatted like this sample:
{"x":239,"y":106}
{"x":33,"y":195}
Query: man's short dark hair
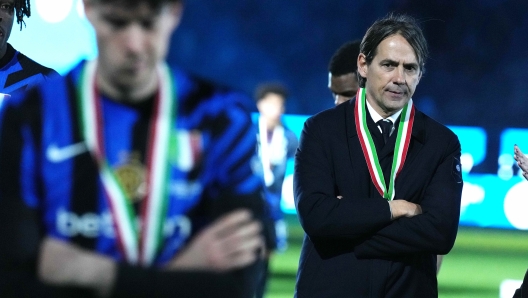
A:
{"x":273,"y":88}
{"x":22,"y":8}
{"x":404,"y":25}
{"x":344,"y":60}
{"x":155,"y":4}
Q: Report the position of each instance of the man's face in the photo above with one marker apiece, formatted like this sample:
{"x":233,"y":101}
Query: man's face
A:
{"x":343,"y":87}
{"x":131,"y":40}
{"x":271,"y":107}
{"x":7,"y":16}
{"x":392,"y":76}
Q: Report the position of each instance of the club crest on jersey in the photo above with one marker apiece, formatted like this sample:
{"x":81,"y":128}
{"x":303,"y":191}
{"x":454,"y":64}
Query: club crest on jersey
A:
{"x":131,"y":174}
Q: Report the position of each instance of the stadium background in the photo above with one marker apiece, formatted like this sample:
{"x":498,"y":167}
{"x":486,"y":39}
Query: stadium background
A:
{"x":475,"y":82}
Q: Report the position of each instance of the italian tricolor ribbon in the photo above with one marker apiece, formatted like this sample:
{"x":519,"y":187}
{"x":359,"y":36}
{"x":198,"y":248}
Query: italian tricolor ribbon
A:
{"x":403,"y":138}
{"x":139,"y":242}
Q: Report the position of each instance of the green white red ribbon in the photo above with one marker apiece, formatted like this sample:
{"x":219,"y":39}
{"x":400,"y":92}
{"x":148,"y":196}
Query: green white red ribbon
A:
{"x":139,"y":241}
{"x":403,"y":138}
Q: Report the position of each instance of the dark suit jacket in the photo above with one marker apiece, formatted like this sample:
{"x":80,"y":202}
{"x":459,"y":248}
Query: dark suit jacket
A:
{"x":351,"y":247}
{"x":522,"y":292}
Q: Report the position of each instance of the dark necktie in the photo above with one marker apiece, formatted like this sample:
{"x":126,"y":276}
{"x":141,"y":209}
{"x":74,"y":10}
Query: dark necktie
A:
{"x":386,"y":127}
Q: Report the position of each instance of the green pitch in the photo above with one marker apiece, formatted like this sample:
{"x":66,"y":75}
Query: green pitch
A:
{"x":480,"y":260}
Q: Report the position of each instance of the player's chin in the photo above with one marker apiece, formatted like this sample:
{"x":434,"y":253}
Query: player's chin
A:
{"x":396,"y":99}
{"x":395,"y":105}
{"x":132,"y":78}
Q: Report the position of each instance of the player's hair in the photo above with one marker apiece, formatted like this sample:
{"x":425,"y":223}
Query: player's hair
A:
{"x":272,"y":87}
{"x":152,"y":3}
{"x":344,"y":60}
{"x":393,"y":24}
{"x":22,"y":8}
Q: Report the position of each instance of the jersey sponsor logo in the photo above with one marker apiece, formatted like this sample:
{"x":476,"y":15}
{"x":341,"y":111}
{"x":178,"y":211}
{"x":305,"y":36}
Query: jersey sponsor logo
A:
{"x":89,"y":225}
{"x":58,"y":154}
{"x":93,"y":225}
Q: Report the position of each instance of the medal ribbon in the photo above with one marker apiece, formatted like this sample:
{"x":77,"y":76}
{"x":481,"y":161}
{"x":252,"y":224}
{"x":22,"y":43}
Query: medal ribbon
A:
{"x":403,"y":138}
{"x":139,"y":243}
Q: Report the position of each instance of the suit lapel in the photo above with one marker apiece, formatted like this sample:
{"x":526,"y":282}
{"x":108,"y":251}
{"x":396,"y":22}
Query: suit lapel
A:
{"x":350,"y":120}
{"x":354,"y":147}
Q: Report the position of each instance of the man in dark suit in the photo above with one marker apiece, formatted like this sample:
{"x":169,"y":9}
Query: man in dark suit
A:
{"x":378,"y":201}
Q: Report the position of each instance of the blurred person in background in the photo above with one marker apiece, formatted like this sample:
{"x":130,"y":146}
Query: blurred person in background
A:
{"x":276,"y":144}
{"x":342,"y":72}
{"x":127,"y":178}
{"x":17,"y":71}
{"x":377,"y":183}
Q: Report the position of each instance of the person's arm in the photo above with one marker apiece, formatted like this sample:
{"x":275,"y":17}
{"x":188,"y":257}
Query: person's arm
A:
{"x":402,"y":208}
{"x":21,"y":225}
{"x":213,"y":256}
{"x":18,"y":217}
{"x":321,"y":213}
{"x":432,"y":231}
{"x":228,"y":161}
{"x":231,"y":242}
{"x":522,"y":160}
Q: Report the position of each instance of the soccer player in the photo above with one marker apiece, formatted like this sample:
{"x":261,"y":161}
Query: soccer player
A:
{"x":17,"y":71}
{"x":127,"y":178}
{"x":277,"y":143}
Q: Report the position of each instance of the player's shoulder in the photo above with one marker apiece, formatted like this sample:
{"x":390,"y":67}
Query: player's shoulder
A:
{"x":434,"y":129}
{"x":333,"y":116}
{"x":33,"y":67}
{"x":195,"y":92}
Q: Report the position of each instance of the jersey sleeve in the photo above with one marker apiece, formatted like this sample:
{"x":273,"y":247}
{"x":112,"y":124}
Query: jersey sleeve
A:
{"x":230,"y":156}
{"x":19,"y":213}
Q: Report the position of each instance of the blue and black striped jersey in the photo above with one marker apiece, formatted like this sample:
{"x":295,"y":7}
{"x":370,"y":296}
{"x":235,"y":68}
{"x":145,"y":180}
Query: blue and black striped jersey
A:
{"x":50,"y":180}
{"x":19,"y":73}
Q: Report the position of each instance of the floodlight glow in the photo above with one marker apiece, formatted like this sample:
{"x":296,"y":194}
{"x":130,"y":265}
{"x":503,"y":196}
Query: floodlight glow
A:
{"x":53,"y":11}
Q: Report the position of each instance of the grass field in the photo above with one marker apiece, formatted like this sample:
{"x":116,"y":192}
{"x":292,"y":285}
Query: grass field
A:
{"x":480,"y":260}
